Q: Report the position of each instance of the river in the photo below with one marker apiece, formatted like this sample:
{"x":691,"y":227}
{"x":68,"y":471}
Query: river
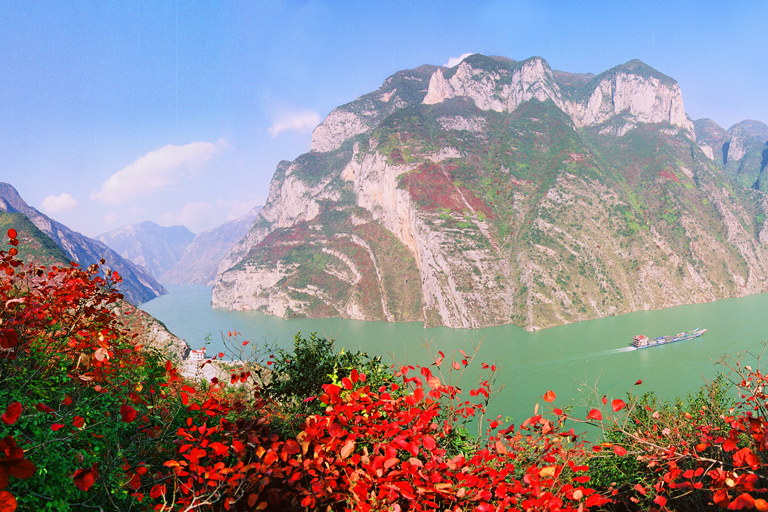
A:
{"x":570,"y":359}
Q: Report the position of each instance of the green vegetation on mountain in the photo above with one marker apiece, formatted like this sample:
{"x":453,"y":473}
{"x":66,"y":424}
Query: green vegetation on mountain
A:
{"x":514,"y":193}
{"x":35,"y":245}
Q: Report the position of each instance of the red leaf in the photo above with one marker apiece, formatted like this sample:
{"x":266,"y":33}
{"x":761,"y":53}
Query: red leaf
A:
{"x":605,"y":399}
{"x":391,"y":462}
{"x":127,"y":413}
{"x":218,"y":448}
{"x":44,"y":408}
{"x":334,"y":430}
{"x":12,"y":413}
{"x":135,"y":482}
{"x":56,"y":426}
{"x":353,"y":375}
{"x":101,"y":354}
{"x":8,"y":338}
{"x":157,"y":491}
{"x":331,"y":389}
{"x":184,"y":398}
{"x":618,"y":405}
{"x":7,"y":502}
{"x":595,"y":414}
{"x":78,"y":422}
{"x":618,"y":450}
{"x":456,"y":365}
{"x":84,"y":478}
{"x":549,"y":396}
{"x":346,"y":383}
{"x":638,"y":382}
{"x":660,"y":501}
{"x":347,"y":449}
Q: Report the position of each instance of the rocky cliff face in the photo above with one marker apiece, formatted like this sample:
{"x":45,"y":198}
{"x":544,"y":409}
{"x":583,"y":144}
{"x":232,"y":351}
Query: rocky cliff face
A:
{"x":742,"y":150}
{"x":138,"y":285}
{"x":497,"y":192}
{"x":634,"y":89}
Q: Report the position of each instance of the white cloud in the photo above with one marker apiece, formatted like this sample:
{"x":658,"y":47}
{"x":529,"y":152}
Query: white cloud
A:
{"x":156,"y":170}
{"x":192,"y":214}
{"x":111,"y":218}
{"x":54,"y":204}
{"x":455,"y":61}
{"x":304,"y":121}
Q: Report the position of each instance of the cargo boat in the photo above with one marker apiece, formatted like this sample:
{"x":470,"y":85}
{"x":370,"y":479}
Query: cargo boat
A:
{"x":641,"y":341}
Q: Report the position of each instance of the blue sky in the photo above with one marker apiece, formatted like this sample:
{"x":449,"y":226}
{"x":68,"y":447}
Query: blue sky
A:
{"x":177,"y":112}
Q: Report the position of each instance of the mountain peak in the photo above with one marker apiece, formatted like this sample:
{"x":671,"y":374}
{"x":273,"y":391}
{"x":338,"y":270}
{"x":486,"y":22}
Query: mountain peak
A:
{"x":756,"y":129}
{"x":138,"y":286}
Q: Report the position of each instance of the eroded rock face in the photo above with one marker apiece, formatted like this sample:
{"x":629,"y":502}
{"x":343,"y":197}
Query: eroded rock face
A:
{"x":738,"y":145}
{"x":401,"y":90}
{"x":339,"y":126}
{"x":647,"y":99}
{"x":498,"y":192}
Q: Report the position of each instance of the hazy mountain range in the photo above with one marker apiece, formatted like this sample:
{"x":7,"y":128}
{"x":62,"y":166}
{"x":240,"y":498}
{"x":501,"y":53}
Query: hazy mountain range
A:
{"x":174,"y":254}
{"x":138,"y":285}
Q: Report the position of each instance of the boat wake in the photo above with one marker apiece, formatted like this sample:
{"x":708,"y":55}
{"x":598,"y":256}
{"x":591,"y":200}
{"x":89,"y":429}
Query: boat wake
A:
{"x":619,"y":350}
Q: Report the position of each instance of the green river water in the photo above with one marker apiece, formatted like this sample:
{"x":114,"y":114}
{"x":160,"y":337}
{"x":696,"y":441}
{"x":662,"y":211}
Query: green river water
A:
{"x":562,"y":358}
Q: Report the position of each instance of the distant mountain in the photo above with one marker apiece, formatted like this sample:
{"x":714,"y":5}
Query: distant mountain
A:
{"x":501,"y":191}
{"x":154,"y":247}
{"x":711,"y":138}
{"x":138,"y":285}
{"x":742,"y":150}
{"x":756,"y":129}
{"x":202,"y":257}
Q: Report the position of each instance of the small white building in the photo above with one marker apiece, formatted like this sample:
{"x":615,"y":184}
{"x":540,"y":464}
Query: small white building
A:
{"x":197,"y":355}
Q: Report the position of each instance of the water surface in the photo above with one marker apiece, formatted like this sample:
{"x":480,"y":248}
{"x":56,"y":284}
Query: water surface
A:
{"x":562,"y":358}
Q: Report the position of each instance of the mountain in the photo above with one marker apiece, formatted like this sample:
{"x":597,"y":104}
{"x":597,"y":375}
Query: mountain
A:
{"x":137,"y":286}
{"x":154,"y":247}
{"x":756,"y":129}
{"x":501,"y":191}
{"x":201,"y":259}
{"x":34,"y":245}
{"x":742,"y":150}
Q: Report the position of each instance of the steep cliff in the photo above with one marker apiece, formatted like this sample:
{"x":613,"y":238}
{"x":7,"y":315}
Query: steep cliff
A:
{"x":138,"y":285}
{"x":500,"y":191}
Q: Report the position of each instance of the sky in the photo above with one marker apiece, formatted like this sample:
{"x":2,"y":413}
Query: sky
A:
{"x":177,"y":112}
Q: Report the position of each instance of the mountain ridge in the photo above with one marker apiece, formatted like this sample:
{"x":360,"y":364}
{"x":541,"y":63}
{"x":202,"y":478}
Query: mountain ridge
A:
{"x":202,"y":257}
{"x":138,"y":285}
{"x":156,"y":248}
{"x":490,"y":195}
